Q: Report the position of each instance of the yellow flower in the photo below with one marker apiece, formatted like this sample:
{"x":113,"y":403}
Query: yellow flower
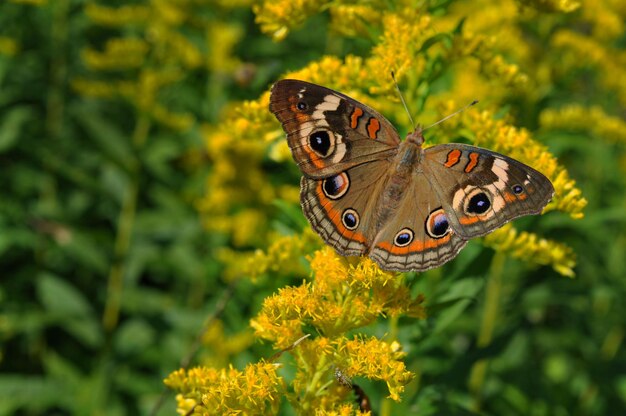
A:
{"x":355,"y":19}
{"x":566,"y":6}
{"x":118,"y":16}
{"x":257,"y":389}
{"x":277,"y":17}
{"x":532,"y":249}
{"x":220,"y":346}
{"x":119,"y":53}
{"x":342,"y":297}
{"x":579,"y":51}
{"x":8,"y":46}
{"x":376,"y":360}
{"x":222,"y":38}
{"x":593,"y":119}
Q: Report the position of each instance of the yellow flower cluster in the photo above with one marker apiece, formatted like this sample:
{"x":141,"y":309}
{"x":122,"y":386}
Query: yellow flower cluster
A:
{"x":315,"y":384}
{"x":220,"y":347}
{"x":355,"y":19}
{"x":592,"y":120}
{"x":342,"y":297}
{"x":121,"y":53}
{"x":281,"y":258}
{"x":236,"y":149}
{"x":552,"y":5}
{"x":8,"y":46}
{"x":160,"y":53}
{"x":532,"y":249}
{"x":125,"y":15}
{"x":579,"y":51}
{"x":492,"y":65}
{"x":376,"y":360}
{"x":277,"y":18}
{"x":257,"y":389}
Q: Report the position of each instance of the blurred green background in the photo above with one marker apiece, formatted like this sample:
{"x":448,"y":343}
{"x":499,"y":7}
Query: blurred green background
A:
{"x":114,"y":261}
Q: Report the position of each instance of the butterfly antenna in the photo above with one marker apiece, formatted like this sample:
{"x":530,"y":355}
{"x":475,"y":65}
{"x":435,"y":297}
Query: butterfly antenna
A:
{"x":453,"y":114}
{"x":393,"y":76}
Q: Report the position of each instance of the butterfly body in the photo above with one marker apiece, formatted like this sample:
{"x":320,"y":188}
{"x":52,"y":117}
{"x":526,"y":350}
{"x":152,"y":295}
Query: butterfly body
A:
{"x":366,"y":192}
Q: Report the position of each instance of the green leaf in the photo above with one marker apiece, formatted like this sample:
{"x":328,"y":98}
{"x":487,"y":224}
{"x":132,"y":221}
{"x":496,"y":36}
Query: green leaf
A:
{"x":60,"y":297}
{"x":11,"y":126}
{"x":134,"y":336}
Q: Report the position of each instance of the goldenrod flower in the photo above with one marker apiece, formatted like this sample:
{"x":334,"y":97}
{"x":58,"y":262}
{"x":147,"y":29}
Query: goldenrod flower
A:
{"x":585,"y":119}
{"x":125,"y":15}
{"x":257,"y":389}
{"x":276,"y":18}
{"x":376,"y":360}
{"x":8,"y":46}
{"x":532,"y":249}
{"x":566,"y":6}
{"x":220,"y":347}
{"x":119,"y":53}
{"x":342,"y":297}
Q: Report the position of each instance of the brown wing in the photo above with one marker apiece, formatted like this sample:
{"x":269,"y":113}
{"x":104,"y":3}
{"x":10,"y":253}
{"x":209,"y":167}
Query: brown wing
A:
{"x":327,"y":131}
{"x":342,"y":207}
{"x":481,"y":190}
{"x":418,"y":235}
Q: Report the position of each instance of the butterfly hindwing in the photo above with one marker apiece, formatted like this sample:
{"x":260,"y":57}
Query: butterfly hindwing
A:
{"x":342,"y":208}
{"x":418,"y":235}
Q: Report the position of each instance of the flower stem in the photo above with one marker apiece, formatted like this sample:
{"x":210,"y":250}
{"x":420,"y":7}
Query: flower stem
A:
{"x":485,"y":335}
{"x":125,"y":225}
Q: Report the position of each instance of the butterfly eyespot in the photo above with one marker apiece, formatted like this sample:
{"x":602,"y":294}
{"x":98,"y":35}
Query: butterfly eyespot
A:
{"x":404,"y":237}
{"x":350,"y":219}
{"x":336,"y":186}
{"x":437,"y":225}
{"x":517,"y":189}
{"x":478,"y":203}
{"x":320,"y":142}
{"x":302,"y":106}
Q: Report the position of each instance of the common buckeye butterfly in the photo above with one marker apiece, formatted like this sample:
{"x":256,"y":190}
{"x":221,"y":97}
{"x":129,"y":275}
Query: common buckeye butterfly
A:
{"x":366,"y":192}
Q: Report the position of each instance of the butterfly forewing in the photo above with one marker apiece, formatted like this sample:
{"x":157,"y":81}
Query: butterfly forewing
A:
{"x":329,"y":132}
{"x":481,"y":190}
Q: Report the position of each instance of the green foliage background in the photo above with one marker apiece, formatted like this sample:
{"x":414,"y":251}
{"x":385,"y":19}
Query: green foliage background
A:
{"x":108,"y":273}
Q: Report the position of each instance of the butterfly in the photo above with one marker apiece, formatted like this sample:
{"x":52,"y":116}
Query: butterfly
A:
{"x":366,"y":192}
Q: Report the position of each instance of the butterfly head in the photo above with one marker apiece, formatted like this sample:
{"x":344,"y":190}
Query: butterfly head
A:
{"x":416,"y":136}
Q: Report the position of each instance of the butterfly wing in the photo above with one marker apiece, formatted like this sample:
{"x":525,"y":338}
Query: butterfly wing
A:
{"x":482,"y":190}
{"x":417,"y":236}
{"x":342,"y":208}
{"x":329,"y":132}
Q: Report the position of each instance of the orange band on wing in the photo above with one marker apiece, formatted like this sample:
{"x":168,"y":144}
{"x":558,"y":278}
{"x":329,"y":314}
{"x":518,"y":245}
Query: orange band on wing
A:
{"x":314,"y":158}
{"x":473,"y":161}
{"x":334,"y":215}
{"x":354,"y":118}
{"x":300,"y":116}
{"x":509,"y":197}
{"x":415,"y":246}
{"x":453,"y":158}
{"x":373,"y":125}
{"x":468,"y":220}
